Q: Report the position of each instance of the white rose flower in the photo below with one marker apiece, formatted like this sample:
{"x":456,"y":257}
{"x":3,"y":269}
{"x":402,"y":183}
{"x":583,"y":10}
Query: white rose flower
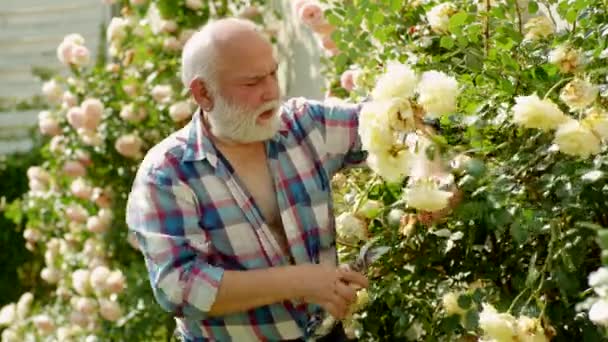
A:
{"x":439,"y":16}
{"x":425,"y":195}
{"x":497,"y":327}
{"x":598,"y":279}
{"x":597,"y":120}
{"x":8,"y":314}
{"x":9,"y":335}
{"x":566,"y":58}
{"x":117,"y":29}
{"x":598,"y":313}
{"x":350,"y":228}
{"x":96,"y":225}
{"x":398,"y":81}
{"x":161,"y":93}
{"x":180,"y":111}
{"x":390,"y":165}
{"x":575,"y":139}
{"x":530,"y":330}
{"x":109,"y":310}
{"x":74,"y":38}
{"x":85,"y":305}
{"x":194,"y":4}
{"x":115,"y":283}
{"x":99,"y":276}
{"x":24,"y":304}
{"x":438,"y":93}
{"x":532,"y":112}
{"x":80,"y":281}
{"x":450,"y":304}
{"x":538,"y":27}
{"x":50,"y":275}
{"x":131,"y":114}
{"x":93,"y":112}
{"x":578,"y":94}
{"x":52,"y":91}
{"x":44,"y":323}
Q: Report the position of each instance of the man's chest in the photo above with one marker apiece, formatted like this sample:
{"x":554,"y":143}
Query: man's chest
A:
{"x":239,"y":209}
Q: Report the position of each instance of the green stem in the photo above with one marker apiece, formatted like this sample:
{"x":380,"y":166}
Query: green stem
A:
{"x":512,"y":306}
{"x":556,"y":85}
{"x":363,"y":196}
{"x":543,"y":272}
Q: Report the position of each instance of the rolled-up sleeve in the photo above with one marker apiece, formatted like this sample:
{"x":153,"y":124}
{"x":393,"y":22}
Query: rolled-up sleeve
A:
{"x":163,"y":215}
{"x":338,"y":124}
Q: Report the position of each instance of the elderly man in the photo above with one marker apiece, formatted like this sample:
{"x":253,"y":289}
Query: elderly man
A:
{"x":233,"y":212}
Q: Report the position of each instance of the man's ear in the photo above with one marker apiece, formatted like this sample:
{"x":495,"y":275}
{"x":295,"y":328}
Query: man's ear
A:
{"x":201,"y":94}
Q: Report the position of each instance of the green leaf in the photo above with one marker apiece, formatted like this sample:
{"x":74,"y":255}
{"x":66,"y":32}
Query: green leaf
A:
{"x":457,"y":20}
{"x":464,"y":301}
{"x":333,"y":19}
{"x":378,"y":18}
{"x":447,"y":42}
{"x":518,"y":232}
{"x":532,"y":7}
{"x":396,"y":5}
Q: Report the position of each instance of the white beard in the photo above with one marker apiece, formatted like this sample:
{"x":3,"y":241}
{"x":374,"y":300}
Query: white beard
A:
{"x":238,"y":124}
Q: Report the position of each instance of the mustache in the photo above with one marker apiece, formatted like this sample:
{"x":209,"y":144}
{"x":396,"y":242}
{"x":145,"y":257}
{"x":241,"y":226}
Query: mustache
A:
{"x":270,"y":105}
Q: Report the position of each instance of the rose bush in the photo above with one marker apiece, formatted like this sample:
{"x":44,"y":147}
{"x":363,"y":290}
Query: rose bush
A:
{"x":101,"y":119}
{"x":486,"y":136}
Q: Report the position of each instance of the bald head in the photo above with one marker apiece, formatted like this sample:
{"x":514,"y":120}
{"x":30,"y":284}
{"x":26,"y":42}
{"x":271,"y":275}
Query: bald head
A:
{"x":216,"y":46}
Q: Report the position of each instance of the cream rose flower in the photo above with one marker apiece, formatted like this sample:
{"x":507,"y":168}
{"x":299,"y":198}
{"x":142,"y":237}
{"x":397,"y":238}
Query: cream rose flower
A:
{"x":117,"y":29}
{"x":578,"y":94}
{"x":398,"y":81}
{"x":350,"y":228}
{"x":439,"y":16}
{"x":597,"y":120}
{"x":530,"y":330}
{"x":194,"y":4}
{"x":391,"y":165}
{"x":497,"y":326}
{"x":532,"y":112}
{"x":8,"y":314}
{"x":80,"y":281}
{"x":438,"y":93}
{"x":425,"y":195}
{"x":575,"y":139}
{"x":374,"y":127}
{"x":538,"y":27}
{"x":566,"y":58}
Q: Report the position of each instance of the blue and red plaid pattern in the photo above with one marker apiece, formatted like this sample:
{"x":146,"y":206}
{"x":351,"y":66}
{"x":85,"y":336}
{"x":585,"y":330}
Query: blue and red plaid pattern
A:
{"x":193,"y":218}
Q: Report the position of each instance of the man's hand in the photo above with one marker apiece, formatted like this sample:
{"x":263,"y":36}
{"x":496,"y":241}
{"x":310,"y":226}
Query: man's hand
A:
{"x":333,"y":288}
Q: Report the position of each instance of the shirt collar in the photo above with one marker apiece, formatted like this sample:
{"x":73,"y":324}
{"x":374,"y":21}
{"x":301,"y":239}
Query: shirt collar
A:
{"x":199,"y":146}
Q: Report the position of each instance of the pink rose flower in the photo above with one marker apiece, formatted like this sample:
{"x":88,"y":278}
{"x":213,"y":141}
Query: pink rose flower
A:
{"x":93,"y":111}
{"x":80,"y":55}
{"x":249,"y":12}
{"x":194,"y":4}
{"x":69,"y":100}
{"x":47,"y":124}
{"x":74,"y":169}
{"x":130,"y":146}
{"x":347,"y":80}
{"x":76,"y":117}
{"x":81,"y":189}
{"x":77,"y":213}
{"x":311,"y":14}
{"x":96,"y":225}
{"x":180,"y":111}
{"x":109,"y":310}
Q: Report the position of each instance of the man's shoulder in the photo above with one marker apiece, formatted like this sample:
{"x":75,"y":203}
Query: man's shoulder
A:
{"x":167,"y":154}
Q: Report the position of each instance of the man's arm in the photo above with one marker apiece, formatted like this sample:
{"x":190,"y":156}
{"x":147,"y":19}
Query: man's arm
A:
{"x":164,"y":217}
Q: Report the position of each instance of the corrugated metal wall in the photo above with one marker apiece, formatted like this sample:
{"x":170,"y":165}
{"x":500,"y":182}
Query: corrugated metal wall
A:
{"x":30,"y":31}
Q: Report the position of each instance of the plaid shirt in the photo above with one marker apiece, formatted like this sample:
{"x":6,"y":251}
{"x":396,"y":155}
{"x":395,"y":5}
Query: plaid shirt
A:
{"x":194,"y":219}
